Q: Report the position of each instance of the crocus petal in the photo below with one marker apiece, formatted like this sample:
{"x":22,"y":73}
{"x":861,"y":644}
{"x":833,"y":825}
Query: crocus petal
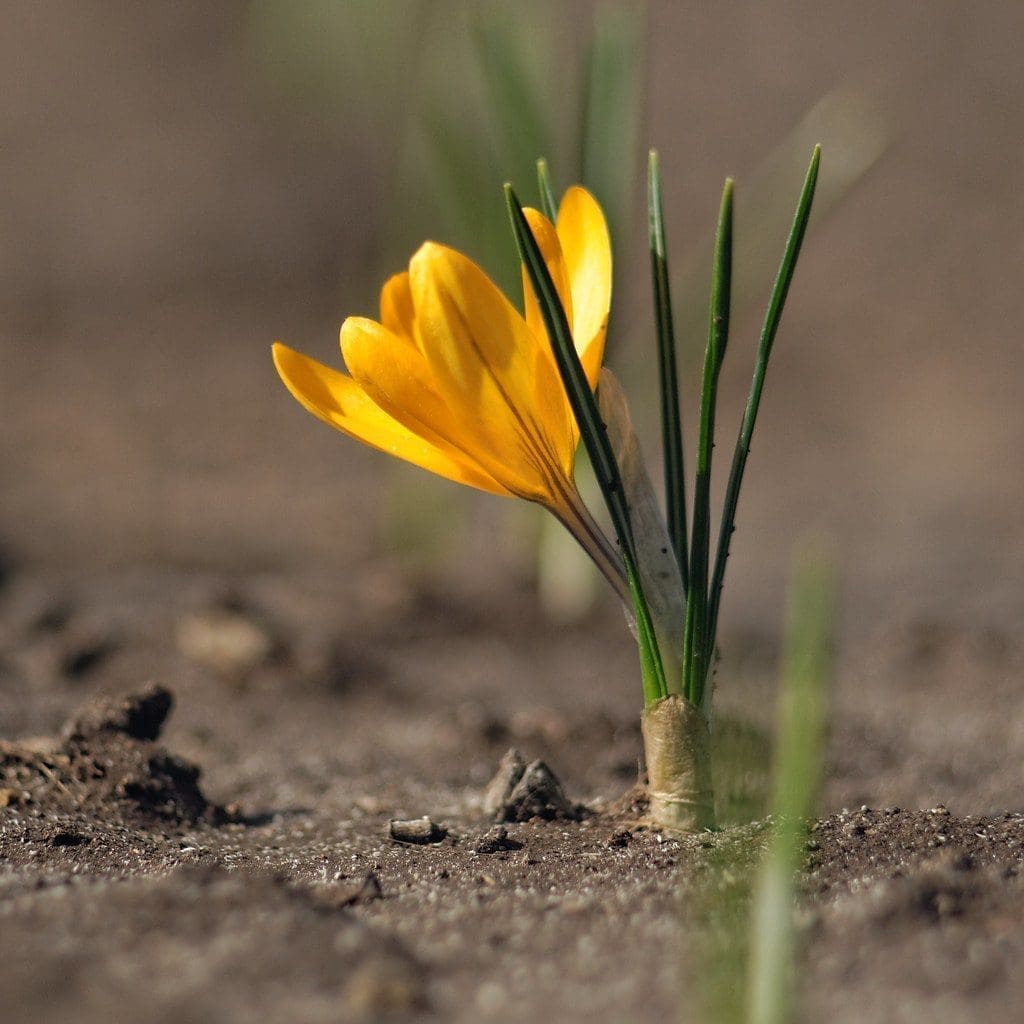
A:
{"x":396,"y":310}
{"x":398,"y":379}
{"x":339,"y":401}
{"x":493,"y":372}
{"x":551,"y":249}
{"x":588,"y":256}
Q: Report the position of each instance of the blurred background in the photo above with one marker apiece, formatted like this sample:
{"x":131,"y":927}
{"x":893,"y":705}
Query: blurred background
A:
{"x":183,"y":184}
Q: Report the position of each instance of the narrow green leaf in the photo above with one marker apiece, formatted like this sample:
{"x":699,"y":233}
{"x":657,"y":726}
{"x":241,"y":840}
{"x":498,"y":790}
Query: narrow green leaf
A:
{"x":668,"y":377}
{"x":802,"y":720}
{"x":652,"y":673}
{"x":547,"y":193}
{"x":694,"y":639}
{"x":764,"y":351}
{"x":592,"y":431}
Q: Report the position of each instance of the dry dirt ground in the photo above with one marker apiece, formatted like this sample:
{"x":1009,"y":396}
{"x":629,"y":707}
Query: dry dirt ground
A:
{"x":133,"y":887}
{"x":170,"y":518}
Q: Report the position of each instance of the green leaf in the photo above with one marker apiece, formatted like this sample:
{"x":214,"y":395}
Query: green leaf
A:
{"x":548,"y":205}
{"x":764,"y":351}
{"x":594,"y":436}
{"x":694,"y":641}
{"x":668,"y":377}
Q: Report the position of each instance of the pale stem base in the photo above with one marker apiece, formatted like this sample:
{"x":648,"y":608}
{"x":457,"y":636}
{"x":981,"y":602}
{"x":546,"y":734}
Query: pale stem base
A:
{"x":677,"y":747}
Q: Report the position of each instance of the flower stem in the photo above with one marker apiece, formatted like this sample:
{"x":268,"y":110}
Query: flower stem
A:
{"x":576,"y":518}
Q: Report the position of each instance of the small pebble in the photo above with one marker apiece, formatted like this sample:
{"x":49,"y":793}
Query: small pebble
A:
{"x":496,"y":840}
{"x":415,"y":830}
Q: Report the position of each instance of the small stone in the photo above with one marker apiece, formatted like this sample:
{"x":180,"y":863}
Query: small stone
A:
{"x":227,"y":641}
{"x":497,"y":840}
{"x":369,"y":804}
{"x":86,"y":651}
{"x":365,"y":891}
{"x":499,"y":789}
{"x":521,"y":791}
{"x":384,"y":987}
{"x":415,"y":830}
{"x":9,"y":797}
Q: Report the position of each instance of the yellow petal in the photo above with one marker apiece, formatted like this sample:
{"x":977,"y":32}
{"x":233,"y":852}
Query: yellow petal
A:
{"x":588,"y":257}
{"x":493,"y":372}
{"x":339,"y":401}
{"x":393,"y":372}
{"x":396,"y":310}
{"x":551,"y":249}
{"x":396,"y":376}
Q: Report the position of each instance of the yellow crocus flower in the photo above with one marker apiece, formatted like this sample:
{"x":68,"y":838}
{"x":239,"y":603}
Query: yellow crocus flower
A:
{"x":455,"y":380}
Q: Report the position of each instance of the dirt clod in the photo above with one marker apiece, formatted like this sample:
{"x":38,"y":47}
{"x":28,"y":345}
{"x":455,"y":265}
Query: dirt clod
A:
{"x":521,"y":791}
{"x":106,"y":758}
{"x":139,"y":715}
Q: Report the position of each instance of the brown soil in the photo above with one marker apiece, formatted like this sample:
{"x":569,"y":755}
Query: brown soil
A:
{"x":170,"y":518}
{"x":271,"y":885}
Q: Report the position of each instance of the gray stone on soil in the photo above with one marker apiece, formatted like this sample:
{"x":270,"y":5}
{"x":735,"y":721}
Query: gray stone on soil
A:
{"x":524,"y":790}
{"x":415,"y":830}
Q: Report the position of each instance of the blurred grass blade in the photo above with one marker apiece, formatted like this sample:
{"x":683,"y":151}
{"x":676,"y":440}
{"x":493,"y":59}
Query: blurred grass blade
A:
{"x":764,"y":351}
{"x":594,"y":435}
{"x":668,"y":376}
{"x":802,"y":721}
{"x":548,"y":205}
{"x":505,"y":55}
{"x":853,"y":128}
{"x":694,"y":640}
{"x":612,"y":107}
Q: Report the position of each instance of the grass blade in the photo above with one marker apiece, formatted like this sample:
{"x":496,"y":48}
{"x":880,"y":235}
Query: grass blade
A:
{"x":548,"y":205}
{"x":694,"y":640}
{"x":594,"y":435}
{"x":764,"y":351}
{"x":507,"y":57}
{"x":802,"y":719}
{"x":612,"y":107}
{"x":668,"y":376}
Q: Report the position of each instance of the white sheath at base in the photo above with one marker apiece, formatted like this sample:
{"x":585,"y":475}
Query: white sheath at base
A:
{"x":677,"y":746}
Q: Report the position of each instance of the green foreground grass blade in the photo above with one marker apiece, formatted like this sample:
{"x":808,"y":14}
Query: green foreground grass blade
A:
{"x":548,"y":205}
{"x":668,"y":377}
{"x":694,"y":637}
{"x":764,"y":351}
{"x":594,"y":435}
{"x":802,"y":719}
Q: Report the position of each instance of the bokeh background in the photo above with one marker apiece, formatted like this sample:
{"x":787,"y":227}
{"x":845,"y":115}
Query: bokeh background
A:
{"x":182,"y":184}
